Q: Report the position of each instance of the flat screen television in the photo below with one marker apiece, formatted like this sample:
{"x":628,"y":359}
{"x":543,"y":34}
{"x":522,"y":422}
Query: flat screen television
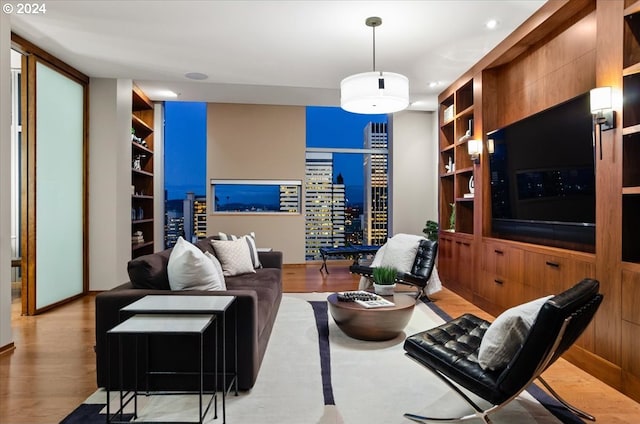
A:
{"x":542,"y":178}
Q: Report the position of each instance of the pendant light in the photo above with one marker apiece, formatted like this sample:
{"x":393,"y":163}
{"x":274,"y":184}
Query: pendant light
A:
{"x":374,"y":92}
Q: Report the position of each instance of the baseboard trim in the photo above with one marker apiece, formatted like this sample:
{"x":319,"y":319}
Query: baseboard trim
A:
{"x":7,"y":348}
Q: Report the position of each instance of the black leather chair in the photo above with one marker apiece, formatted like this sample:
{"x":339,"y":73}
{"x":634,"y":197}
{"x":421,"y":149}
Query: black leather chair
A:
{"x":420,"y":271}
{"x":451,"y":351}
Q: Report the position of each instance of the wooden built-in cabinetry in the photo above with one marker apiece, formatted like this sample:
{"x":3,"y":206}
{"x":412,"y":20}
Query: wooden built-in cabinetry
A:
{"x":564,"y":50}
{"x":456,"y":168}
{"x":142,"y":216}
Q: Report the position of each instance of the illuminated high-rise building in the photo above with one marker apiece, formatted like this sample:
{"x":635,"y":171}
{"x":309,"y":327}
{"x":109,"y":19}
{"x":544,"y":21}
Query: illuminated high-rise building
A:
{"x":376,"y":185}
{"x":200,"y":217}
{"x":324,"y":205}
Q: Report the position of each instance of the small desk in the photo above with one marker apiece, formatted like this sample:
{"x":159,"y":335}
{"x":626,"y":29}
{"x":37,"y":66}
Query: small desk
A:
{"x":188,"y":304}
{"x":158,"y":324}
{"x":356,"y":252}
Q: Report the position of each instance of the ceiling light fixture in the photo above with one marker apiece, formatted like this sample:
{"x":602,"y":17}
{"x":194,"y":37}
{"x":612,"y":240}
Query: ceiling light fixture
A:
{"x":198,"y":76}
{"x":376,"y":91}
{"x":491,"y":24}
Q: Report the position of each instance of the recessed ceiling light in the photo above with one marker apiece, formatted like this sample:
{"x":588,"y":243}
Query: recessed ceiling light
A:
{"x":196,"y":76}
{"x":433,"y":84}
{"x":166,"y":93}
{"x":491,"y":24}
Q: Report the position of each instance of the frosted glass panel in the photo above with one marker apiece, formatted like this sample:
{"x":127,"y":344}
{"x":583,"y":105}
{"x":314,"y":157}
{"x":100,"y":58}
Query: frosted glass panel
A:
{"x":59,"y":159}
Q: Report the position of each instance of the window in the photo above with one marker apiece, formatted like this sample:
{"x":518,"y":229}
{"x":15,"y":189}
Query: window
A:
{"x":346,"y":186}
{"x":256,"y":196}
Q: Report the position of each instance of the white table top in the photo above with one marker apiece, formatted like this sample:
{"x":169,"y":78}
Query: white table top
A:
{"x":177,"y":303}
{"x":165,"y":324}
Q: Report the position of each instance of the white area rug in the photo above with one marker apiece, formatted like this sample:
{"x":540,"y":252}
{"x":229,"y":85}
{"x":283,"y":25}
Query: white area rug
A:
{"x":371,"y":382}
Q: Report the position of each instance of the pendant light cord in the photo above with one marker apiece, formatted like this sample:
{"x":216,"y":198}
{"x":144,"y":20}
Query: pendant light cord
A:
{"x":374,"y":47}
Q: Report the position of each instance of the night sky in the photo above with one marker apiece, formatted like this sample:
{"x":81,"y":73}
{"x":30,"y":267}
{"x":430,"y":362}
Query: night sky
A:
{"x":186,"y":144}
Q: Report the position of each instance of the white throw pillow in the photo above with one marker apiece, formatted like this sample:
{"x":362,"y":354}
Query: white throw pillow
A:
{"x":507,"y":333}
{"x":218,"y":267}
{"x":190,"y":269}
{"x":234,"y":256}
{"x":251,"y":242}
{"x":400,"y":252}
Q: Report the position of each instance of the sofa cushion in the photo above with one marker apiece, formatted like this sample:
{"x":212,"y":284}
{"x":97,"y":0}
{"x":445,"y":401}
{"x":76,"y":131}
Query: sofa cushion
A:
{"x":150,"y":271}
{"x":190,"y":269}
{"x":234,"y":255}
{"x":218,"y":267}
{"x":251,"y":242}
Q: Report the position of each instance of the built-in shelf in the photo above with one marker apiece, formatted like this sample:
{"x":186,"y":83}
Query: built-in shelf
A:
{"x":631,"y":190}
{"x":142,"y":178}
{"x":454,"y":184}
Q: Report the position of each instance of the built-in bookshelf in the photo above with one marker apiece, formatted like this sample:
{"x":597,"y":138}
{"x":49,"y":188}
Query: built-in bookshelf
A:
{"x":631,"y":136}
{"x":456,"y":168}
{"x":142,"y":214}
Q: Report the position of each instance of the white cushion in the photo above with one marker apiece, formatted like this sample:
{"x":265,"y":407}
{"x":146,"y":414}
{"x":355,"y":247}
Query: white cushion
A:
{"x":251,"y":241}
{"x":507,"y":334}
{"x":190,"y":269}
{"x":218,"y":267}
{"x":400,"y":252}
{"x":234,"y":256}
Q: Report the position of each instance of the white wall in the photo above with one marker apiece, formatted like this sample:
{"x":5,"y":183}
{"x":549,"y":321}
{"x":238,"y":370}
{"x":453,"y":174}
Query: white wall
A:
{"x":6,"y":338}
{"x":109,"y":182}
{"x":414,"y":189}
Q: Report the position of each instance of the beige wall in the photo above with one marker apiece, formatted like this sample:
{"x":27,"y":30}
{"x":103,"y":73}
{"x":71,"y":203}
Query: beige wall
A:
{"x":414,"y":169}
{"x":258,"y":142}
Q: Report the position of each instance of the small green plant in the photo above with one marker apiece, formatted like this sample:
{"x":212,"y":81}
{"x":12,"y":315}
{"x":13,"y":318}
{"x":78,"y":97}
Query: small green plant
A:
{"x":385,"y":276}
{"x":431,"y":230}
{"x":452,"y":217}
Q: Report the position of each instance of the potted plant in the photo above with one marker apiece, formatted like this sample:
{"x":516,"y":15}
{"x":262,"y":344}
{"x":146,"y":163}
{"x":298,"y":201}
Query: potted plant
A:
{"x":384,"y":280}
{"x":431,"y":230}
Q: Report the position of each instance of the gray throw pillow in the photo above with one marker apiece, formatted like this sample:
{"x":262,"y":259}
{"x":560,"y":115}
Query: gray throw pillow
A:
{"x":507,"y":333}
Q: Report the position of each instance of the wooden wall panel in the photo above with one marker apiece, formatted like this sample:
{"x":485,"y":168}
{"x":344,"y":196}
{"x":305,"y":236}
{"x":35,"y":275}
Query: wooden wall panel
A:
{"x":549,"y":73}
{"x":630,"y":348}
{"x":631,"y":298}
{"x":608,"y":185}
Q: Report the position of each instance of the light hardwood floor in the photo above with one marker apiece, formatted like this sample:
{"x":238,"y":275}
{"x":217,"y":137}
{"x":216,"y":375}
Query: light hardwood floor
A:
{"x":52,"y":369}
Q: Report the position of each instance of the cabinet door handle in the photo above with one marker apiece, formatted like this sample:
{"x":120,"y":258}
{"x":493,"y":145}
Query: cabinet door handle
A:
{"x":458,"y":242}
{"x":499,"y":252}
{"x":466,"y":243}
{"x":553,"y":264}
{"x":499,"y":281}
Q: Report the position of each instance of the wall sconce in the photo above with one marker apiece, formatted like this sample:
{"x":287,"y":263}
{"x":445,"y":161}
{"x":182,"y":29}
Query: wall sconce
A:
{"x":474,"y":148}
{"x":604,"y":117}
{"x":491,"y":148}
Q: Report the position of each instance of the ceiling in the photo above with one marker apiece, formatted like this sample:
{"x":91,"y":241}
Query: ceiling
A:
{"x":271,"y":52}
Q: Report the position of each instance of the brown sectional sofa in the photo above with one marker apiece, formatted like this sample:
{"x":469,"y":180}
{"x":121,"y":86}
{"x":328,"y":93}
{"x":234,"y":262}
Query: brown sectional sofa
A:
{"x":258,"y":298}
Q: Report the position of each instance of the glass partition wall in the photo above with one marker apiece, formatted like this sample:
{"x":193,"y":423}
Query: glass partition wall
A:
{"x":53,"y":181}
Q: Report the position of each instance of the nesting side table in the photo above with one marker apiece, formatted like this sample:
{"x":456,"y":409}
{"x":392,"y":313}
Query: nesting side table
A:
{"x":189,"y":304}
{"x":158,"y":324}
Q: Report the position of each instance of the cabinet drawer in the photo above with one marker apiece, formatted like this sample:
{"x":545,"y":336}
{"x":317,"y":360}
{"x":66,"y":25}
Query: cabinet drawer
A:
{"x":501,"y":281}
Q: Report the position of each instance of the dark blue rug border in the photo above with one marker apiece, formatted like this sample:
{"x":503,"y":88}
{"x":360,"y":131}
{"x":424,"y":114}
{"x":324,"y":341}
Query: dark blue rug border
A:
{"x":546,"y":400}
{"x":322,"y":324}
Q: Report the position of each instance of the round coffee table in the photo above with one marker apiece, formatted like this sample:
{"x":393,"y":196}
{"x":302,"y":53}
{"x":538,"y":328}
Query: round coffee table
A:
{"x":372,"y":324}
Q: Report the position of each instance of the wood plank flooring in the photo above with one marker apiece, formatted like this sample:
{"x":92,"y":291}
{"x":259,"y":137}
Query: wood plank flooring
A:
{"x":52,"y":369}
